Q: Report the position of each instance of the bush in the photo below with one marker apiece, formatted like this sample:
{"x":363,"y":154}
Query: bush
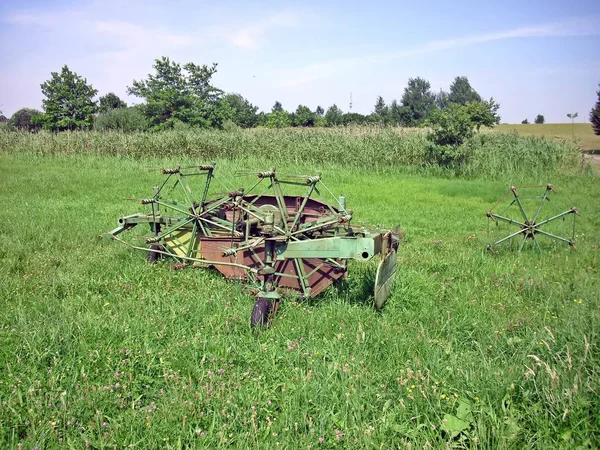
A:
{"x":454,"y":125}
{"x":25,"y":119}
{"x":278,"y":119}
{"x":450,"y":128}
{"x":127,"y":120}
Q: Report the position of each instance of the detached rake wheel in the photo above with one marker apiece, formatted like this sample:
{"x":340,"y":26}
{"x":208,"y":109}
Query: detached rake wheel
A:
{"x":520,"y":213}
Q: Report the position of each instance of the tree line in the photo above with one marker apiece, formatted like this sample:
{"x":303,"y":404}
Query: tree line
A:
{"x":177,"y":95}
{"x":182,"y":96}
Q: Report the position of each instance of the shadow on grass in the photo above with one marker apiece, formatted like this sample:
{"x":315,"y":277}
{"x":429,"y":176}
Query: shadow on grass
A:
{"x":357,"y":289}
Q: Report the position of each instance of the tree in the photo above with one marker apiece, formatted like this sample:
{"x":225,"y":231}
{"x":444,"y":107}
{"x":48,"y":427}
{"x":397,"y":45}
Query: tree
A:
{"x":127,"y":120}
{"x":239,"y":110}
{"x":595,"y":115}
{"x":25,"y":119}
{"x":3,"y":118}
{"x":334,"y":116}
{"x":278,"y":119}
{"x":277,"y":107}
{"x":352,"y":118}
{"x":380,"y":106}
{"x":303,"y":117}
{"x":539,"y":119}
{"x":452,"y":126}
{"x":382,"y":111}
{"x":69,"y":103}
{"x":178,"y":94}
{"x":319,"y":111}
{"x":395,"y":112}
{"x":110,"y":101}
{"x":483,"y":113}
{"x":462,"y":93}
{"x":524,"y":122}
{"x":417,"y":102}
{"x":442,"y":99}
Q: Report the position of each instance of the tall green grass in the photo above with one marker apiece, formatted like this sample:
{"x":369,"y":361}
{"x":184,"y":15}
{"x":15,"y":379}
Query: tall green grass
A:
{"x":98,"y":349}
{"x":488,"y":155}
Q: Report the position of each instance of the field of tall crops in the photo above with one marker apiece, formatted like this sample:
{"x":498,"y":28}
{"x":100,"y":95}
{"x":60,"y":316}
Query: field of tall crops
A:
{"x":491,"y":155}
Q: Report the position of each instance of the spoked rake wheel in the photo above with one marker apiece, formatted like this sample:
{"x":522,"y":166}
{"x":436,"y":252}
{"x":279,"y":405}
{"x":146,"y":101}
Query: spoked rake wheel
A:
{"x":521,"y":216}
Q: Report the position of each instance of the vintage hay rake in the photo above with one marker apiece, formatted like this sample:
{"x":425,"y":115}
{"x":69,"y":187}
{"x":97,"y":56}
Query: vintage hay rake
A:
{"x":296,"y":242}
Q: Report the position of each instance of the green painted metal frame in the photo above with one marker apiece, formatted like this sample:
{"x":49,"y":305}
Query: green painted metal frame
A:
{"x":528,"y":226}
{"x":337,"y":240}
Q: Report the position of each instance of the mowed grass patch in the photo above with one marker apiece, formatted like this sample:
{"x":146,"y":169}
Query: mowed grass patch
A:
{"x":471,"y":349}
{"x":581,"y":134}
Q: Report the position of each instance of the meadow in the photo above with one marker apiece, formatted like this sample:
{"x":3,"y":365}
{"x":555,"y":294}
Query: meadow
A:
{"x":581,"y":134}
{"x":473,"y":350}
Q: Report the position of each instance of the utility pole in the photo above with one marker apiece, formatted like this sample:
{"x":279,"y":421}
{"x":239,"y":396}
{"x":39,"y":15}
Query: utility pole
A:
{"x":350,"y":101}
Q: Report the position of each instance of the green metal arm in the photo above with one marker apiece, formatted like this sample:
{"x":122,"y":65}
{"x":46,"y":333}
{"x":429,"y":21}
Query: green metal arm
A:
{"x":361,"y":249}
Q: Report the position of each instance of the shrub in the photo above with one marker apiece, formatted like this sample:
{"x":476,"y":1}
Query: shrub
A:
{"x":25,"y":119}
{"x":278,"y":119}
{"x":450,"y":128}
{"x":121,"y":119}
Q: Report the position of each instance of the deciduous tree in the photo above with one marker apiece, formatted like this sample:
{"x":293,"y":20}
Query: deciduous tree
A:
{"x":452,"y":126}
{"x":25,"y":119}
{"x":303,"y":117}
{"x":177,"y":94}
{"x":334,"y":116}
{"x":483,"y":113}
{"x":442,"y":99}
{"x":69,"y":102}
{"x":278,"y":119}
{"x":127,"y":120}
{"x":110,"y":101}
{"x":239,"y":110}
{"x":539,"y":119}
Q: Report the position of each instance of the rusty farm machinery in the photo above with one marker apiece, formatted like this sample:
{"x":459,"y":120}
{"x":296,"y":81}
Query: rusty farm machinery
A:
{"x":297,"y":243}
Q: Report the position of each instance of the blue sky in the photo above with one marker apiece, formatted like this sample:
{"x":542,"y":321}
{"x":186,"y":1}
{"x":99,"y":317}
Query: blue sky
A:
{"x":531,"y":56}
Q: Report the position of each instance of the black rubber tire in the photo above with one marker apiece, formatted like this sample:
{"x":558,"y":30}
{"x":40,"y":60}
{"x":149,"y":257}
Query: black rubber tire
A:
{"x":260,"y":312}
{"x":152,"y":257}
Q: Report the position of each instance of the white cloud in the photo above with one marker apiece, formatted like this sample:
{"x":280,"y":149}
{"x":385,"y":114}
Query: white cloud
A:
{"x":296,"y":77}
{"x":130,"y":34}
{"x":250,"y":36}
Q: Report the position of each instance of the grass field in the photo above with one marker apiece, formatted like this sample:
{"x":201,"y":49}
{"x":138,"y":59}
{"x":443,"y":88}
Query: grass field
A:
{"x":580,"y":133}
{"x":101,"y":350}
